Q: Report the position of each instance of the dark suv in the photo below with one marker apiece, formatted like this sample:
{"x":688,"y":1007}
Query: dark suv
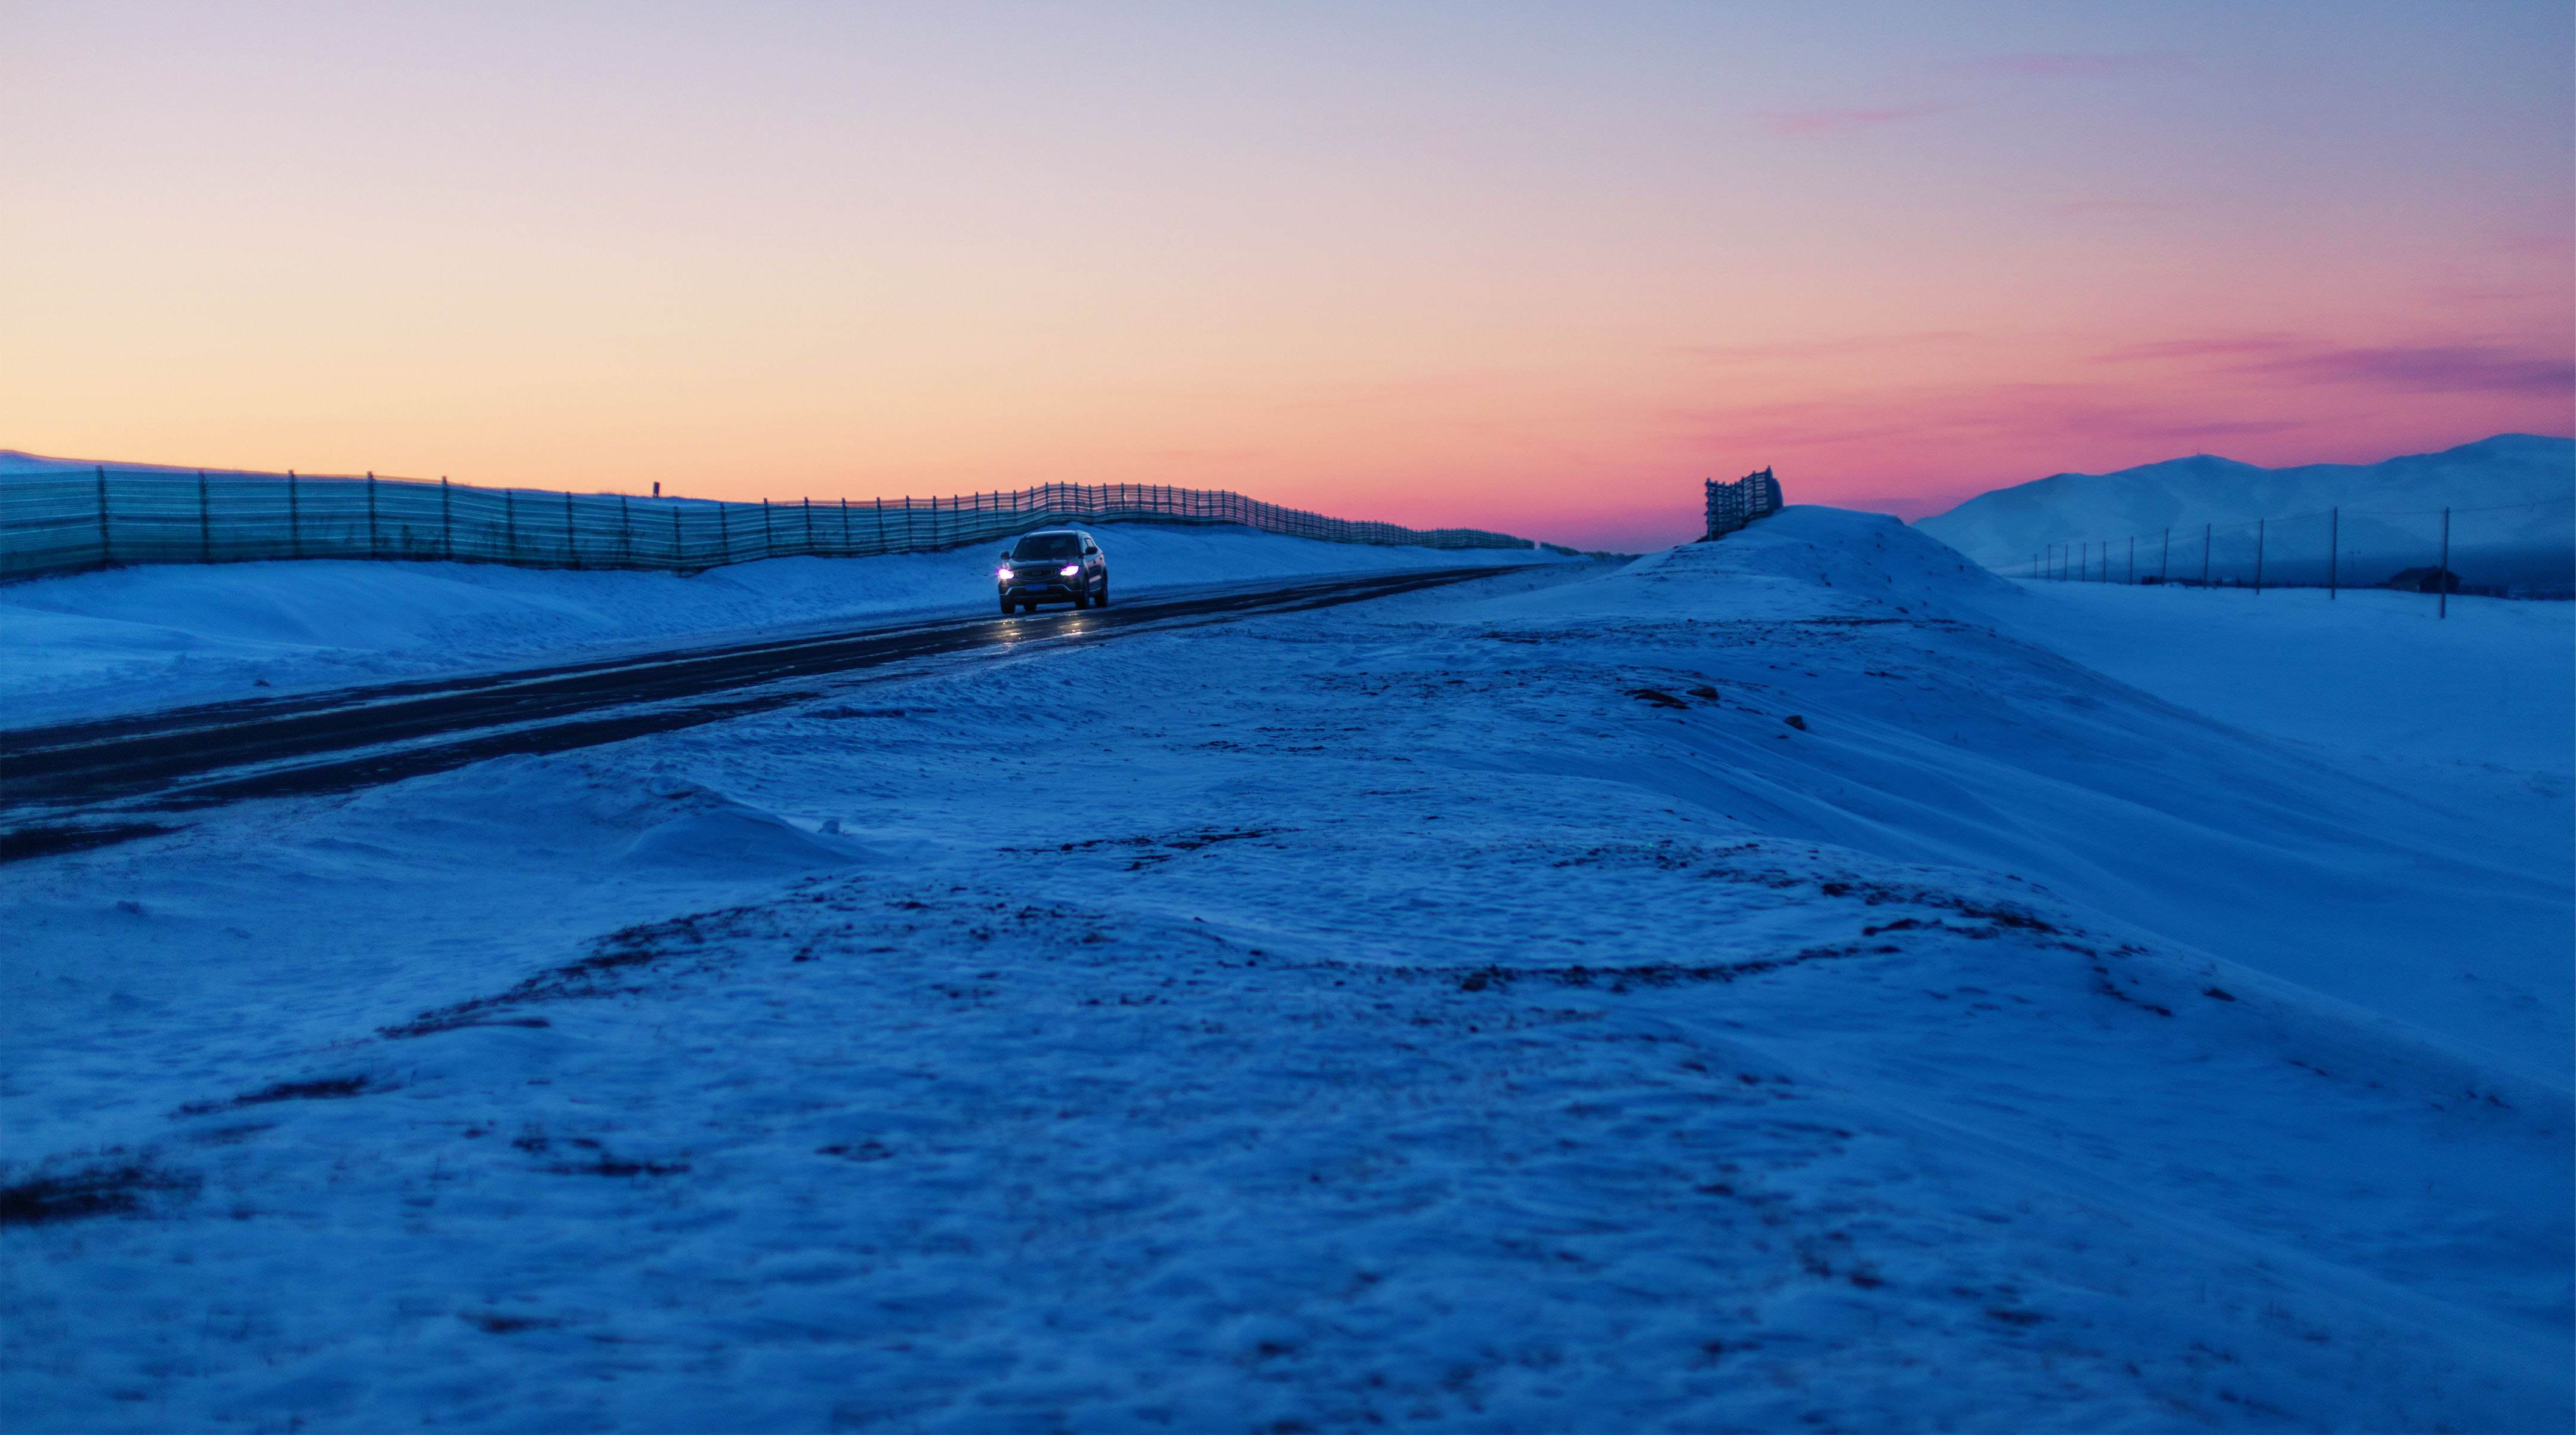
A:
{"x":1059,"y":565}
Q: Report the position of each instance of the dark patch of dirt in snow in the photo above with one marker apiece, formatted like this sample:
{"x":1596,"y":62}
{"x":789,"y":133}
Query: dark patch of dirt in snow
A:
{"x":107,"y":1189}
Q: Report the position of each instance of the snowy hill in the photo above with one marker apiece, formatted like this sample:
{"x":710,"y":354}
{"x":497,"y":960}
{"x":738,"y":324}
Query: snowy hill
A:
{"x":1802,"y":981}
{"x":2517,"y":493}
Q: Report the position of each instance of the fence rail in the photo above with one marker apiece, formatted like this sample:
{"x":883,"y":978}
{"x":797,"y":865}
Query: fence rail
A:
{"x":71,"y":522}
{"x":2521,"y":550}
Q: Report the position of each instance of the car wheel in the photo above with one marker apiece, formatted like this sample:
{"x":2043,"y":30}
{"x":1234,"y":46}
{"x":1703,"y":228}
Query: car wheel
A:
{"x":1081,"y":599}
{"x":1006,"y":607}
{"x":1101,"y":598}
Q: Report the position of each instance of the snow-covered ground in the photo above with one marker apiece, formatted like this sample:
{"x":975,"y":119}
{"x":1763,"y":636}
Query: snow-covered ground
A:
{"x":2491,"y":687}
{"x":1481,"y":1009}
{"x":156,"y":636}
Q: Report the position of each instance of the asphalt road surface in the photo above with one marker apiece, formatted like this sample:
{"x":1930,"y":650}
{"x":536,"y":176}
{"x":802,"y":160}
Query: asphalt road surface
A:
{"x":84,"y":784}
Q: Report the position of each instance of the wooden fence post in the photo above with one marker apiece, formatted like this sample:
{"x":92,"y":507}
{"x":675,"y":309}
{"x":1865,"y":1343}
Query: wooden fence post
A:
{"x":2441,"y":573}
{"x":510,"y":521}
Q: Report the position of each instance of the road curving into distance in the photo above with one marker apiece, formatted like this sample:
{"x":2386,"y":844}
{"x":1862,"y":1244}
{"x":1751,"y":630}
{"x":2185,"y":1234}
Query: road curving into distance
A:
{"x":67,"y":786}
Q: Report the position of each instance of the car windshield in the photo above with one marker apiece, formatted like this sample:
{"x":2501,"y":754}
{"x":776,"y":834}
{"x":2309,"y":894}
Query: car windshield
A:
{"x":1048,"y":545}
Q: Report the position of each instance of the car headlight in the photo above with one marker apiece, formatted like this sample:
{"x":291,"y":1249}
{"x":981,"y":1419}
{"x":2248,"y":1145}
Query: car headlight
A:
{"x":1070,"y":569}
{"x":1002,"y":573}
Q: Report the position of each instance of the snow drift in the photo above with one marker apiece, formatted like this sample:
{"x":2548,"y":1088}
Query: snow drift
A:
{"x":1475,"y":1009}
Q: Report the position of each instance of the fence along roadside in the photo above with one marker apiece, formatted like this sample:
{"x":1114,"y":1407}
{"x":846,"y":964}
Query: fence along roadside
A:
{"x":75,"y":521}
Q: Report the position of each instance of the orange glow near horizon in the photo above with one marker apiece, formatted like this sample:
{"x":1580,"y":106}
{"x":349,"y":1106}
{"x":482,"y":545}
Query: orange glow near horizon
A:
{"x":1520,"y":269}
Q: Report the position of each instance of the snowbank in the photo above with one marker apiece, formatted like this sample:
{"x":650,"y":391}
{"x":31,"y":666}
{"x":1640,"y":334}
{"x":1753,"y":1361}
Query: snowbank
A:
{"x":135,"y":638}
{"x":2127,"y":755}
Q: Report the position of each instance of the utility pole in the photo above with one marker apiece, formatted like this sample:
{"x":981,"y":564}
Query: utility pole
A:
{"x":2442,"y":575}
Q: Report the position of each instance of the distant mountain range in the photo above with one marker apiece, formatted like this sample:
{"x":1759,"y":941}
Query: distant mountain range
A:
{"x":2513,"y":496}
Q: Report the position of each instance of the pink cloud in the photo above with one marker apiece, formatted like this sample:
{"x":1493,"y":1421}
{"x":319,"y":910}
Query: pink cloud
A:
{"x":1821,"y":348}
{"x":2200,"y":348}
{"x":2070,"y":67}
{"x":2109,"y":209}
{"x":1810,"y":124}
{"x":2404,"y":368}
{"x":2430,"y":369}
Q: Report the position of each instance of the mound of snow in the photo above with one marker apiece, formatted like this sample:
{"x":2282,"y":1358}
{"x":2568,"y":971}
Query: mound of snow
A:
{"x":1803,"y":561}
{"x":133,"y":638}
{"x":2004,"y":528}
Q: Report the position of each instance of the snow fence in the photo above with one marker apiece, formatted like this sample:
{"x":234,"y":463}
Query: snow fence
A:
{"x":1733,"y":505}
{"x":72,"y":521}
{"x":2519,"y":550}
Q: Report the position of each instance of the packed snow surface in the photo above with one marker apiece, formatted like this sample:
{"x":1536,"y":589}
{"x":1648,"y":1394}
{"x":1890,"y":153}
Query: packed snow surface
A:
{"x":1479,"y":1009}
{"x":154,"y":636}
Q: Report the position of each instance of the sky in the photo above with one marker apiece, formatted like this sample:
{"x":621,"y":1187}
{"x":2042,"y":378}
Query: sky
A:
{"x":1535,"y":268}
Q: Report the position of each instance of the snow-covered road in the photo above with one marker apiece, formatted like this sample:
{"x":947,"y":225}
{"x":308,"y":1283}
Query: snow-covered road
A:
{"x":1475,"y":1010}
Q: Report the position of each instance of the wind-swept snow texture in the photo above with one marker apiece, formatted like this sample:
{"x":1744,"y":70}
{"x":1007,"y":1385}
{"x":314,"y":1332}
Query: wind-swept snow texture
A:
{"x":2516,"y":523}
{"x":159,"y":635}
{"x":1475,"y":1010}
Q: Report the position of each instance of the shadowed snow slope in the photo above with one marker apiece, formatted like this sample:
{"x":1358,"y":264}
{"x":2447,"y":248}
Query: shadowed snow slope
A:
{"x":1473,"y":1009}
{"x":165,"y":634}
